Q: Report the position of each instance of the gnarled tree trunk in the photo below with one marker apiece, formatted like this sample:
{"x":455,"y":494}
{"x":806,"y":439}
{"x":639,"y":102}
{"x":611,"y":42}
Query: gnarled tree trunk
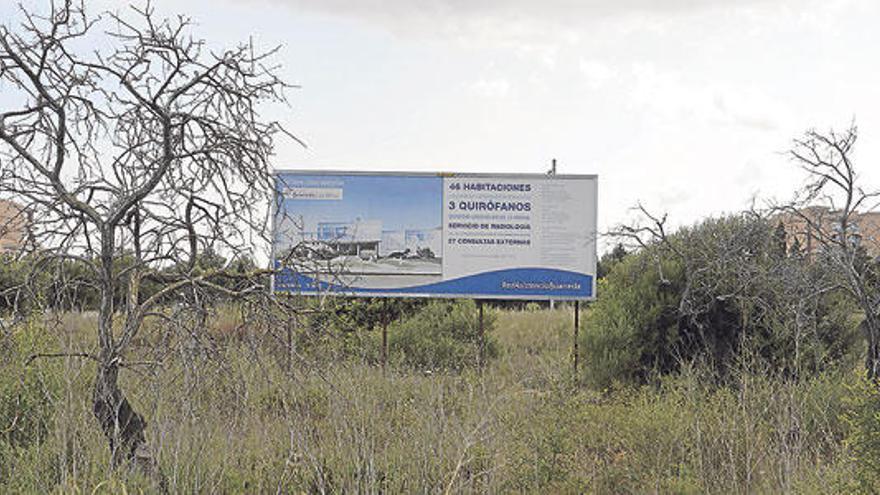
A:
{"x":123,"y":427}
{"x":121,"y":424}
{"x":872,"y":359}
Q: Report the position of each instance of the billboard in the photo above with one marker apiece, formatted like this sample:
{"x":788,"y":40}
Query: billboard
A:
{"x":485,"y":236}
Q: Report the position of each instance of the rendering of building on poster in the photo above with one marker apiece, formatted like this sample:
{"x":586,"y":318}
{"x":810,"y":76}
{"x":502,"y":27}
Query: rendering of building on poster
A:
{"x":483,"y":236}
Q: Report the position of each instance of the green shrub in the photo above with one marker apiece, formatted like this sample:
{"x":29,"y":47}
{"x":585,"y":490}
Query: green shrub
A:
{"x":443,"y":335}
{"x":342,"y":328}
{"x":632,"y":330}
{"x":707,"y":292}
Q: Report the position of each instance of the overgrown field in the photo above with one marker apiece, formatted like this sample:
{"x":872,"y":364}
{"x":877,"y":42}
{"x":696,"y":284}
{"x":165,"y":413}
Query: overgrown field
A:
{"x":230,"y":414}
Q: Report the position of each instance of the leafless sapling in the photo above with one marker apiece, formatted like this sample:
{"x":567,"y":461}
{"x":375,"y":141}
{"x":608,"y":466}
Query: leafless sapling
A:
{"x":830,"y":211}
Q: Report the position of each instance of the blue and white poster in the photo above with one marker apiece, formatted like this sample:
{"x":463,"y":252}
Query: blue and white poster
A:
{"x":436,"y":235}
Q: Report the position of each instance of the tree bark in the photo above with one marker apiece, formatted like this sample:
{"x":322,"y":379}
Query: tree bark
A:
{"x":872,"y":360}
{"x":123,"y":427}
{"x":121,"y":424}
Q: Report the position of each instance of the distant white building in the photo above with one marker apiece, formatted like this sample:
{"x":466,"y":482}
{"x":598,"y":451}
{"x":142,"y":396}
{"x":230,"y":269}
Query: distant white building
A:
{"x":393,"y":241}
{"x":350,"y":238}
{"x":356,"y":237}
{"x":422,"y":239}
{"x":411,"y":241}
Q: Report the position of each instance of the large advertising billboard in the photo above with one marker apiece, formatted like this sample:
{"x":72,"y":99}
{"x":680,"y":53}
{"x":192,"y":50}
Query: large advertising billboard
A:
{"x":484,"y":236}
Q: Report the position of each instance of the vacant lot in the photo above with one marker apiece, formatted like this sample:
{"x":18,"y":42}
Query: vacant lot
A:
{"x":226,"y":414}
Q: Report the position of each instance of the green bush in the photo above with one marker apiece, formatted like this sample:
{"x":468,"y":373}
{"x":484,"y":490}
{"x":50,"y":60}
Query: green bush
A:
{"x":632,"y":329}
{"x":443,"y":335}
{"x":707,"y":292}
{"x":39,"y":280}
{"x":344,"y":328}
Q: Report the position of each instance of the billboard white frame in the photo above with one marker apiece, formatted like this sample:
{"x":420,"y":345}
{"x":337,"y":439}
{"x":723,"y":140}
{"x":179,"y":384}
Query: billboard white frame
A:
{"x":354,"y":292}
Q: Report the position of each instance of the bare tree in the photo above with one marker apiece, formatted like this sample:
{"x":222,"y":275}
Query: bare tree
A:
{"x":829,"y":209}
{"x":132,"y":138}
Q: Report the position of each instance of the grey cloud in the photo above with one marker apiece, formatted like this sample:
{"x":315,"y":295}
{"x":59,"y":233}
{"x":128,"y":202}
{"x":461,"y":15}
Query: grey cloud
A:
{"x":398,"y":13}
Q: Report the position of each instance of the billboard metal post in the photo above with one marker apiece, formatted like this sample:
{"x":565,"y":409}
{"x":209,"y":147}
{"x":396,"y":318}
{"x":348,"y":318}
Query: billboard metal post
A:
{"x":576,"y":330}
{"x":482,"y":336}
{"x":289,"y":345}
{"x":551,"y":173}
{"x":290,"y":330}
{"x":384,"y":334}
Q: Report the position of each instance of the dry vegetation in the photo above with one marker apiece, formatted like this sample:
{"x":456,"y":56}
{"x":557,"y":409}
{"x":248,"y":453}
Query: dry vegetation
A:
{"x":226,"y":415}
{"x":150,"y":214}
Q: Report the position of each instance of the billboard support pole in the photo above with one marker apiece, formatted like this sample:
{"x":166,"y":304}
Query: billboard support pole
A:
{"x":551,"y":173}
{"x":384,"y":334}
{"x":289,"y":345}
{"x":291,"y":323}
{"x":576,"y":330}
{"x":482,"y":337}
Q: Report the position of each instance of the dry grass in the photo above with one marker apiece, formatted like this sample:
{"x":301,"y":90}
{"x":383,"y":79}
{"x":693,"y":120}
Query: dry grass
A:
{"x":230,"y":418}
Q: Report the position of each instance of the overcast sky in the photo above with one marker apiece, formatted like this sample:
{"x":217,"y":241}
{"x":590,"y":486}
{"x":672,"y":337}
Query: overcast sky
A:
{"x":685,"y":105}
